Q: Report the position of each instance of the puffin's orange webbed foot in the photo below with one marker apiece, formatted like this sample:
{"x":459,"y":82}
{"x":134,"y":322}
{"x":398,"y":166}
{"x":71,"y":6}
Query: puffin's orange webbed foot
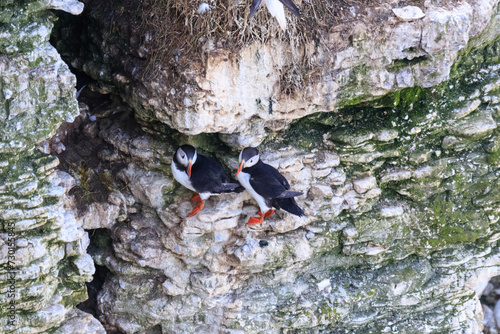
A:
{"x":269,"y":213}
{"x":260,"y":220}
{"x":197,"y":209}
{"x":255,"y":220}
{"x":196,"y":198}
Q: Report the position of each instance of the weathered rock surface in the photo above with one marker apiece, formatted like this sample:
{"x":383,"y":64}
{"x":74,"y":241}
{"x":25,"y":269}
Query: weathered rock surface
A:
{"x":266,"y":86}
{"x":400,"y":234}
{"x":44,"y":261}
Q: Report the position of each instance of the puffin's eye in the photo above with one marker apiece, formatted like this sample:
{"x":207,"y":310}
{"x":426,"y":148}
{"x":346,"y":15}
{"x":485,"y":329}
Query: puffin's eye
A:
{"x":182,"y":157}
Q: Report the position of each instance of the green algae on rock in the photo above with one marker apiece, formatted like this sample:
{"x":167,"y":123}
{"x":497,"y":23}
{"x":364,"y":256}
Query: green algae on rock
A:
{"x":37,"y":94}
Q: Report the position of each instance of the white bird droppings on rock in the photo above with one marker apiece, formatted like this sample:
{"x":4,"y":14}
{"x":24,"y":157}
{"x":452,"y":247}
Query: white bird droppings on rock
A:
{"x":324,"y":284}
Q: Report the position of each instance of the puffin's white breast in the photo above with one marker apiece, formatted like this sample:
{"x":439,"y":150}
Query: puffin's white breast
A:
{"x":181,"y":176}
{"x":244,"y":179}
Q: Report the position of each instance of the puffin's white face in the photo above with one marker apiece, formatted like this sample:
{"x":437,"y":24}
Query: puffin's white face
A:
{"x":248,"y":158}
{"x":252,"y":161}
{"x":187,"y":159}
{"x":182,"y":157}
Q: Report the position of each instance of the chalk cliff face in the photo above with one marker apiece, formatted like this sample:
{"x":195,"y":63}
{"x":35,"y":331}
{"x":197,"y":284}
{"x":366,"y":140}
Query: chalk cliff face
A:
{"x":267,"y":85}
{"x":44,"y":262}
{"x":386,"y":123}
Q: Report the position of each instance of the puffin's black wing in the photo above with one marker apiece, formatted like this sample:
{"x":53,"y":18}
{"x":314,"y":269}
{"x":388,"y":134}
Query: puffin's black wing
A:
{"x":270,"y":170}
{"x":268,"y":186}
{"x":253,"y":8}
{"x":291,"y":6}
{"x":289,"y":205}
{"x":228,"y":188}
{"x":207,"y":175}
{"x":268,"y":182}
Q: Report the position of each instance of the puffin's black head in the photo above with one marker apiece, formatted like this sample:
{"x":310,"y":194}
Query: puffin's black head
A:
{"x":249,"y":156}
{"x":186,"y":155}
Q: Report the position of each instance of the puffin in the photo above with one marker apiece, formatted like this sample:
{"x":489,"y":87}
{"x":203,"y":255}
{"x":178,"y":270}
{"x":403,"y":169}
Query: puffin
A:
{"x":276,"y":9}
{"x":266,"y":185}
{"x":201,"y":174}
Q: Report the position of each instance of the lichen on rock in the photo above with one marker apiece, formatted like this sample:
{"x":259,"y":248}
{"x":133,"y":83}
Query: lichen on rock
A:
{"x":45,"y":268}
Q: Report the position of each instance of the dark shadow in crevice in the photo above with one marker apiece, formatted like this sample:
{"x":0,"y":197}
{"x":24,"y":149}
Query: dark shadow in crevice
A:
{"x":93,"y":288}
{"x":100,"y":241}
{"x":489,"y":300}
{"x":409,"y":61}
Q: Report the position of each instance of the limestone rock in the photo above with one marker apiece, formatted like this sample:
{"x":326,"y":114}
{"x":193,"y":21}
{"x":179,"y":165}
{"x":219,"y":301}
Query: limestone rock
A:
{"x":364,"y":184}
{"x":489,"y":320}
{"x":408,"y":13}
{"x":478,"y":125}
{"x":37,"y":95}
{"x":395,"y":175}
{"x":147,"y":186}
{"x":203,"y":99}
{"x":80,"y":322}
{"x":99,"y":215}
{"x":85,"y":266}
{"x":71,"y":6}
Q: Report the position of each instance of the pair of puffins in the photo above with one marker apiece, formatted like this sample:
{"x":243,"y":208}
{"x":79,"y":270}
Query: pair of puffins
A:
{"x":206,"y":177}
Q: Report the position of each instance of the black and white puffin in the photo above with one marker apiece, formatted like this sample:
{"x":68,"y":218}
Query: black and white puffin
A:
{"x":266,"y":185}
{"x":276,"y":9}
{"x":201,"y":174}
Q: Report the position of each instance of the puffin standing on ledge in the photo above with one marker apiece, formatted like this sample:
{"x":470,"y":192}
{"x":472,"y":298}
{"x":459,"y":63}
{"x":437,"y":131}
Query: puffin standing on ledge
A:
{"x":201,"y":174}
{"x":276,"y":9}
{"x":266,"y":185}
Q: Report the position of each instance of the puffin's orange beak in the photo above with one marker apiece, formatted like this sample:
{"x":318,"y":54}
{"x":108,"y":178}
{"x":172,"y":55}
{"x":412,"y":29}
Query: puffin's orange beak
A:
{"x":239,"y":169}
{"x":189,"y":169}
